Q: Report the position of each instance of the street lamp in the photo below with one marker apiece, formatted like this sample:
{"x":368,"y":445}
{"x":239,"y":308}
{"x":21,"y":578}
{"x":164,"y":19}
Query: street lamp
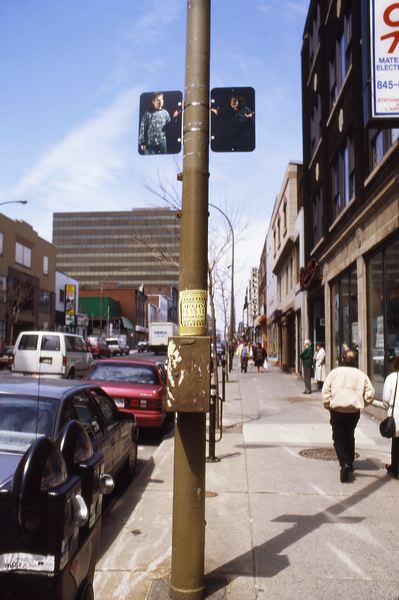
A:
{"x":232,"y":309}
{"x":14,"y":202}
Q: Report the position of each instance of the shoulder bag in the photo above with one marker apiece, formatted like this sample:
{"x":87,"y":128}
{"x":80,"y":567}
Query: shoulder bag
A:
{"x":388,"y":425}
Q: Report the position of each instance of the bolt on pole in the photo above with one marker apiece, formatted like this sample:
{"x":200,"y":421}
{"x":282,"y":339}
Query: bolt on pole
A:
{"x":188,"y":531}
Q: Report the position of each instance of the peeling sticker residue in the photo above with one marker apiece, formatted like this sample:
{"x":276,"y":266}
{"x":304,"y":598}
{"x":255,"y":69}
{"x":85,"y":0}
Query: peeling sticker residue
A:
{"x":174,"y":358}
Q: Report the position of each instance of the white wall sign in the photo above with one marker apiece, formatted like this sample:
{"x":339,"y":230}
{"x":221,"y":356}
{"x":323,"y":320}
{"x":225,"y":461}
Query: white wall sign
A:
{"x":384,"y":48}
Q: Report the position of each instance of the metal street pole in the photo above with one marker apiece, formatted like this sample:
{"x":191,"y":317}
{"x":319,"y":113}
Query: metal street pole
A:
{"x":232,"y":308}
{"x":188,"y":531}
{"x":14,"y":202}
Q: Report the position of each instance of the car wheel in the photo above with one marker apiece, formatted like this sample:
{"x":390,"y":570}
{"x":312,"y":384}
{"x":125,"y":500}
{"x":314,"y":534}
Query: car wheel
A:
{"x":71,"y":374}
{"x":130,"y":465}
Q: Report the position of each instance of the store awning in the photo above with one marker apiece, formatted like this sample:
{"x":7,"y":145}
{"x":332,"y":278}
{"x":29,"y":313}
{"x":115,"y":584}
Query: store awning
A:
{"x":127,"y":324}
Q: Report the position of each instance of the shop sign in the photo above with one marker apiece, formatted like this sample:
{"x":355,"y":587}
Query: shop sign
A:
{"x":384,"y":58}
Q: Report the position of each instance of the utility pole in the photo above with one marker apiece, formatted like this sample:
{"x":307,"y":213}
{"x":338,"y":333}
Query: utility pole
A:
{"x":188,"y":535}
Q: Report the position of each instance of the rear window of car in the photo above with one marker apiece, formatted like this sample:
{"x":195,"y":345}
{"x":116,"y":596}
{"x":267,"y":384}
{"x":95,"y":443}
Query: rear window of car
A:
{"x":125,"y":373}
{"x":22,"y":419}
{"x":28,"y":342}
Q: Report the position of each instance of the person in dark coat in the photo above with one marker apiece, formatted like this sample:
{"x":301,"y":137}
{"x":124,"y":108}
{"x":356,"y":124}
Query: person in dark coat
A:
{"x":259,"y":355}
{"x":307,"y":363}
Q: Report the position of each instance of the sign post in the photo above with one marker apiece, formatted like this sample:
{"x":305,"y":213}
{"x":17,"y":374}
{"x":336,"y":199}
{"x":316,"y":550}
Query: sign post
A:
{"x":189,"y":355}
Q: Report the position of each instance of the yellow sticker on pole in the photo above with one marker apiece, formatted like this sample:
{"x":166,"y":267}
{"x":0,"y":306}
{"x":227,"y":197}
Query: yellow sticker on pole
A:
{"x":192,"y":312}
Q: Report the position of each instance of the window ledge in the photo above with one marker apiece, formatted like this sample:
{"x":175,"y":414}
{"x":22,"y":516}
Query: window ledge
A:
{"x":338,"y":98}
{"x":379,"y":166}
{"x":342,"y":214}
{"x":315,"y":152}
{"x":319,"y":243}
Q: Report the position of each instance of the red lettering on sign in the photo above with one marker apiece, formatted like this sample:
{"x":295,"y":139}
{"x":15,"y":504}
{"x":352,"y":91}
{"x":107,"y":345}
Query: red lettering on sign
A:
{"x":391,"y":22}
{"x":387,"y":14}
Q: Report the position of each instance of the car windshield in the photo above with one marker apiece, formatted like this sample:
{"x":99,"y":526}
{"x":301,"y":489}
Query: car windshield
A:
{"x":23,"y":419}
{"x":125,"y":373}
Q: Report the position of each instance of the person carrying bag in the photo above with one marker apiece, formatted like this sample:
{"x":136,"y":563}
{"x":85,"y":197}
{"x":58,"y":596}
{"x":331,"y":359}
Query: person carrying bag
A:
{"x":388,"y":427}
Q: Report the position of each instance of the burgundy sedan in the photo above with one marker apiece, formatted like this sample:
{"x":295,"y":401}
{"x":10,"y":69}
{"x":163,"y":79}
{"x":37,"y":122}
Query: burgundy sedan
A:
{"x":136,"y":386}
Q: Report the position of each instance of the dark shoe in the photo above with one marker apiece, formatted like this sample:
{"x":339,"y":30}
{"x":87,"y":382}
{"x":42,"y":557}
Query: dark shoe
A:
{"x":346,"y":474}
{"x":391,"y":472}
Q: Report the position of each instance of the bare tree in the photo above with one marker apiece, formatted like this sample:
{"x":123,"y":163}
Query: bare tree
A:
{"x":19,"y":295}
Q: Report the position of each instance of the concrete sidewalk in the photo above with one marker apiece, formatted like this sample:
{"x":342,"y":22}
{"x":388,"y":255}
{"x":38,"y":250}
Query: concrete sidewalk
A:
{"x":280,"y":525}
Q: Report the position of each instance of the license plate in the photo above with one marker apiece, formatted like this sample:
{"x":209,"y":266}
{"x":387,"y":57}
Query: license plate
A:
{"x":120,"y":402}
{"x":143,"y":403}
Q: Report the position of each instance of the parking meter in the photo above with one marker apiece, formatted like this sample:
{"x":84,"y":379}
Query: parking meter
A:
{"x":41,"y":514}
{"x":81,"y":460}
{"x":51,"y":519}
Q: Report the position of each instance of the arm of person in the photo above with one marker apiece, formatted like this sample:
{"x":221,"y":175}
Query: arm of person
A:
{"x":326,"y":394}
{"x":369,"y":391}
{"x":386,"y":393}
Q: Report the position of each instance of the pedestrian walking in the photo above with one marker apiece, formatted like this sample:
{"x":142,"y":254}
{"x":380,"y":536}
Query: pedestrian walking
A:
{"x":243,"y":353}
{"x":259,"y":356}
{"x":307,"y":363}
{"x":346,"y":390}
{"x":319,"y":362}
{"x":390,"y":400}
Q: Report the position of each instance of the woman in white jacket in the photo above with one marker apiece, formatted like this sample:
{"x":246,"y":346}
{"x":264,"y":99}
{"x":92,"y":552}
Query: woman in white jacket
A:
{"x":391,"y":389}
{"x":320,"y":365}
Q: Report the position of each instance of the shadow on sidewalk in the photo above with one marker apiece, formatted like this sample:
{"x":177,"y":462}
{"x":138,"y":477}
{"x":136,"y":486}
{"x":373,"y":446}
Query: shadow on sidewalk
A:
{"x":267,"y":559}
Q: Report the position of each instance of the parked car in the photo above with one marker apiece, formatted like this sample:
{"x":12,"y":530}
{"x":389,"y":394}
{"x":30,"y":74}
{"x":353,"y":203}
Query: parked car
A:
{"x":137,"y":387}
{"x":113,"y":345}
{"x":51,"y":354}
{"x":143,"y":346}
{"x":124,"y":347}
{"x":30,"y":408}
{"x":98,"y":347}
{"x":6,"y":357}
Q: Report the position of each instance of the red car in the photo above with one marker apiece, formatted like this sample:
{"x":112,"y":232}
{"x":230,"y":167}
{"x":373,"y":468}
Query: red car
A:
{"x":137,"y":386}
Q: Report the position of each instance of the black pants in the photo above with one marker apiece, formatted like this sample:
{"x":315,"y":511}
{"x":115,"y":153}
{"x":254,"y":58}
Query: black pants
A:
{"x":343,"y":434}
{"x":244,"y":364}
{"x":395,"y":456}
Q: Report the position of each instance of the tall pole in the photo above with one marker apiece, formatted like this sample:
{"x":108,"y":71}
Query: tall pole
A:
{"x":188,"y":531}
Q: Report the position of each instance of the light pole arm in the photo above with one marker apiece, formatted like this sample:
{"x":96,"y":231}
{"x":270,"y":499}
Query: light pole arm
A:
{"x":232,"y":308}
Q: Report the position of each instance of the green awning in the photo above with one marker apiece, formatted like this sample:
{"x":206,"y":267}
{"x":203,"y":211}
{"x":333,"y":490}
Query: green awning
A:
{"x":127,"y":324}
{"x":94,"y":305}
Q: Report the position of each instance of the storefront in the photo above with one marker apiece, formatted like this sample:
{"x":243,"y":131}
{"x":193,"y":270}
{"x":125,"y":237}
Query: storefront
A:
{"x":345,"y":327}
{"x":383,"y":311}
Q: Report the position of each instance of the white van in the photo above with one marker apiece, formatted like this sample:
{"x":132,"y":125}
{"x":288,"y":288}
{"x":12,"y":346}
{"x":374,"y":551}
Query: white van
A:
{"x":51,"y":353}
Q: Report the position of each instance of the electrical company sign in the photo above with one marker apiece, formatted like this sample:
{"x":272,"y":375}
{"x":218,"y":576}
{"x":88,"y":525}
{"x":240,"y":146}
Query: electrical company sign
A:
{"x":384,"y":47}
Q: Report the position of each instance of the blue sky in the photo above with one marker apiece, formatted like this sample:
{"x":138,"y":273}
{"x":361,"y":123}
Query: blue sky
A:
{"x":72,"y":74}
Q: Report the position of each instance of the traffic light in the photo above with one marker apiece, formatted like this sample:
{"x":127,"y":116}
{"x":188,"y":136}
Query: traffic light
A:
{"x":233,"y":119}
{"x":160,"y":123}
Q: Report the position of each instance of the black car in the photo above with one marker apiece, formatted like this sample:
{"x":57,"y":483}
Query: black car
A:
{"x":31,"y":408}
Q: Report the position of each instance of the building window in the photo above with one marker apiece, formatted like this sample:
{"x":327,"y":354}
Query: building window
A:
{"x":278,"y":233}
{"x":274,"y":243}
{"x":380,"y":142}
{"x":314,"y":34}
{"x":343,"y":178}
{"x":383,"y":313}
{"x":345,"y":315}
{"x":315,"y":123}
{"x":44,"y":301}
{"x":23,"y":255}
{"x":341,"y":59}
{"x":1,"y":243}
{"x":3,"y":288}
{"x":285,"y":216}
{"x":62,"y":295}
{"x":45,"y":265}
{"x":318,"y":216}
